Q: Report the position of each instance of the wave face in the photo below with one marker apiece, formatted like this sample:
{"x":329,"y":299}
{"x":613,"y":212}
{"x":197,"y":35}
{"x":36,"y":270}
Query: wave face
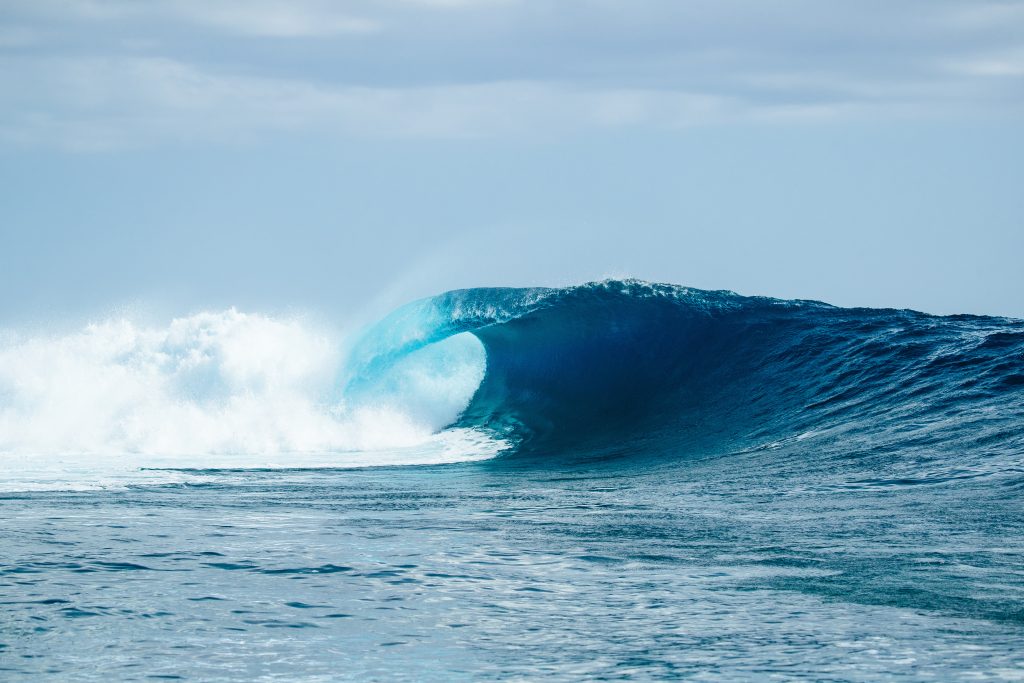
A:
{"x":626,"y":367}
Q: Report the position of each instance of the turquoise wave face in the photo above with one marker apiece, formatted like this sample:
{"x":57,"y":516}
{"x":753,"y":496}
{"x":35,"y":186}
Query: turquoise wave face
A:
{"x":627,"y":368}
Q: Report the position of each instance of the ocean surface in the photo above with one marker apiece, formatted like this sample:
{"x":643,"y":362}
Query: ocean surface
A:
{"x":615,"y":481}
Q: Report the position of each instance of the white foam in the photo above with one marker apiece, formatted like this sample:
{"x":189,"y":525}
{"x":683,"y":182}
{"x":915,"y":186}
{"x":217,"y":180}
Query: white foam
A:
{"x":221,"y":389}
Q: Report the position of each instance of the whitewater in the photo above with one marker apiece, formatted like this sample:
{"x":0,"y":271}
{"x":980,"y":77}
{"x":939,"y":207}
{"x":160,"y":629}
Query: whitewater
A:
{"x":217,"y":389}
{"x":619,"y":480}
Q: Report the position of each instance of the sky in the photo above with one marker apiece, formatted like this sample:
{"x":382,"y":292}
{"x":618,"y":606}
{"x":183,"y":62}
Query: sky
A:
{"x":349,"y":156}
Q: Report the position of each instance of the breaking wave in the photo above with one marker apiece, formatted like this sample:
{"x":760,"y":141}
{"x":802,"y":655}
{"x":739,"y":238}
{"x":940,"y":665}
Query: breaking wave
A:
{"x":632,"y":368}
{"x":222,"y":389}
{"x":598,"y":372}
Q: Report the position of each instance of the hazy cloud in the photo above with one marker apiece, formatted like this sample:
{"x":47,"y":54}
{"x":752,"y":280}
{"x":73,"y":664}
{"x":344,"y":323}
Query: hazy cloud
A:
{"x":92,"y":74}
{"x":1006,"y":64}
{"x":97,"y":103}
{"x":271,"y":18}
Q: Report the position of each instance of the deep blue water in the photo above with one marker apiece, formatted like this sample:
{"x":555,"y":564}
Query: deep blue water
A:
{"x":691,"y":485}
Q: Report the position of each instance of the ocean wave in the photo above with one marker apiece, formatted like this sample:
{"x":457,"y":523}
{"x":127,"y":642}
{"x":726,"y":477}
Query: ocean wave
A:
{"x":601,"y":371}
{"x":639,"y":369}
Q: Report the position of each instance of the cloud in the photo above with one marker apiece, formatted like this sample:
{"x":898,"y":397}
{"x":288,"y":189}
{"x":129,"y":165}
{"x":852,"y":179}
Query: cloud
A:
{"x":987,"y":14}
{"x":268,"y":18}
{"x":92,"y":74}
{"x":274,"y":19}
{"x":459,"y":4}
{"x":125,"y":102}
{"x":18,"y":37}
{"x":1007,"y":64}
